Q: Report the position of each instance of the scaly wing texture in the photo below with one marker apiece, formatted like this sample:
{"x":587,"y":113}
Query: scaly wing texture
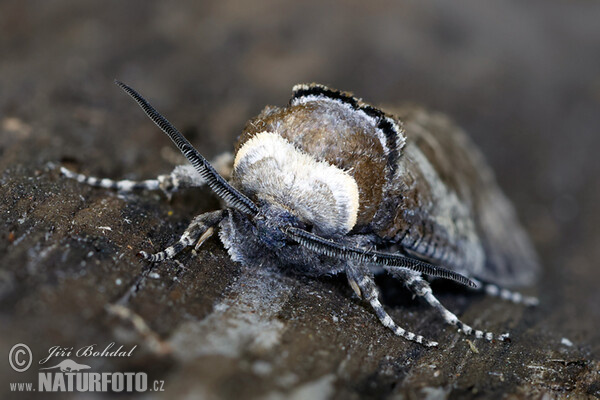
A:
{"x":450,"y":209}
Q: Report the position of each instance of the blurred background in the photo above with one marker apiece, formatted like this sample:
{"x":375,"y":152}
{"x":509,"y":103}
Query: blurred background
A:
{"x":522,"y":78}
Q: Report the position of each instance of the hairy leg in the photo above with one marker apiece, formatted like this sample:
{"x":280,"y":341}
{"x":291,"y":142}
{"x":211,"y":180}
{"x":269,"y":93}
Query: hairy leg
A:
{"x":361,"y":280}
{"x":183,"y":176}
{"x":200,"y":229}
{"x":420,"y":287}
{"x":505,"y":294}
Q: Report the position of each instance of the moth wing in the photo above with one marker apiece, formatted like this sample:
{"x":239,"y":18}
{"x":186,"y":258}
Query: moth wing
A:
{"x":451,"y":210}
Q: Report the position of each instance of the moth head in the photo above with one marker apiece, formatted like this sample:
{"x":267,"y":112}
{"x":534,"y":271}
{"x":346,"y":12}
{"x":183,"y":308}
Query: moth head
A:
{"x":271,"y":223}
{"x":300,"y":200}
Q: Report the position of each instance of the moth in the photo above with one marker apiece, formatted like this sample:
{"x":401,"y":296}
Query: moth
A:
{"x":330,"y":184}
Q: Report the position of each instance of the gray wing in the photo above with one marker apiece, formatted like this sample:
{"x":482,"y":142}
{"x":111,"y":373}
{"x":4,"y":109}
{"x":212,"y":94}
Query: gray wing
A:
{"x":449,"y":209}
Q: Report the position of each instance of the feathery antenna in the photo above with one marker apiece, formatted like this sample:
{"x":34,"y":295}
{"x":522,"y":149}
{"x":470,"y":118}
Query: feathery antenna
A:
{"x":215,"y":181}
{"x":340,"y":251}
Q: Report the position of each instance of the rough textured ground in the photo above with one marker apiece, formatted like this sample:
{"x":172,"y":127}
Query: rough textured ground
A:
{"x":523,"y":80}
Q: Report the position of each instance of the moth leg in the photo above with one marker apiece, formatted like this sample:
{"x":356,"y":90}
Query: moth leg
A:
{"x":122,"y":185}
{"x":200,"y":229}
{"x":362,"y":282}
{"x":420,"y":287}
{"x":183,"y":176}
{"x":505,"y":294}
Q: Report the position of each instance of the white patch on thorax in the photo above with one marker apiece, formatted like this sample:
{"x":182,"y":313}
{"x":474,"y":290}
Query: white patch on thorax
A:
{"x":272,"y":169}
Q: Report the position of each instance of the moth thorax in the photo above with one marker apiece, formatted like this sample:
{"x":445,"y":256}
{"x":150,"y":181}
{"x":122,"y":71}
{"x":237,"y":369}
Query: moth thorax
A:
{"x":270,"y":168}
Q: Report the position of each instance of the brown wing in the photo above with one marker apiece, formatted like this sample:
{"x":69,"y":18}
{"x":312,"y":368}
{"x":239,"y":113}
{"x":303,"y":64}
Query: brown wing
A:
{"x":446,"y":207}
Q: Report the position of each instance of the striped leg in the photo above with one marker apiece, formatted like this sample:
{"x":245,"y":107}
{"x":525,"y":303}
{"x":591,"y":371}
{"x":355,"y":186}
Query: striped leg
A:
{"x":123,"y":185}
{"x":181,"y":177}
{"x":200,"y":229}
{"x":420,"y":287}
{"x":505,"y":294}
{"x":361,"y":281}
